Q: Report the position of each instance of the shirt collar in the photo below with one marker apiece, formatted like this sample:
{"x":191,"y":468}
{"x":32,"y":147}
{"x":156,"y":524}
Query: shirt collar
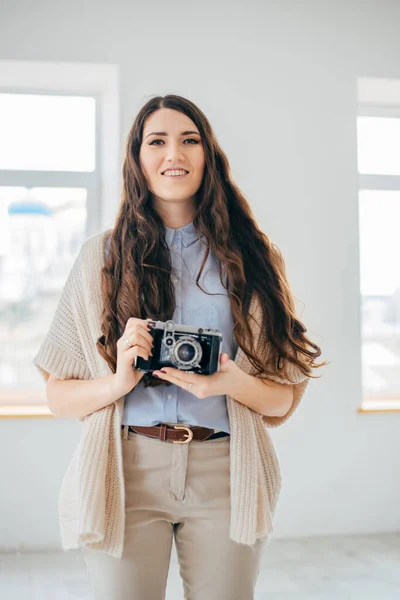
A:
{"x":188,"y":234}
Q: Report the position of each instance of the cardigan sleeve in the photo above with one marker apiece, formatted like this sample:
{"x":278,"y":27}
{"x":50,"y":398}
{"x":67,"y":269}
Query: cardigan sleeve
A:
{"x":300,"y":384}
{"x":287,"y":373}
{"x":294,"y":377}
{"x":61,"y":353}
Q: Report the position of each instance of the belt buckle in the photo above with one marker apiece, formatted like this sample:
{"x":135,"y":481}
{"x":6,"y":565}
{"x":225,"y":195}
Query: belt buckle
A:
{"x":189,"y":438}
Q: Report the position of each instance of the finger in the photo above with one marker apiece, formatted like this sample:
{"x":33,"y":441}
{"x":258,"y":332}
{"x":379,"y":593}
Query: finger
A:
{"x":139,"y":351}
{"x":180,"y":381}
{"x":136,"y":338}
{"x":179,"y":375}
{"x":136,"y":320}
{"x":139,"y":330}
{"x":134,"y":350}
{"x":224,"y":358}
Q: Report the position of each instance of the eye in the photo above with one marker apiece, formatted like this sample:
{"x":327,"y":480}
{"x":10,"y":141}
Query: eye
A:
{"x":187,"y":140}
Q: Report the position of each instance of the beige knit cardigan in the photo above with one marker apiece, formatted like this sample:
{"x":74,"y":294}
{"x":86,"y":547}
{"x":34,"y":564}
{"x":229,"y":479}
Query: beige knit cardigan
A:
{"x":92,"y":496}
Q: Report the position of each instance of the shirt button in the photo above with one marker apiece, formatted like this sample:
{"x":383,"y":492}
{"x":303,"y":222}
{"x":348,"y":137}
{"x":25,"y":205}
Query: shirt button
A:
{"x":174,"y":279}
{"x":169,"y":396}
{"x":174,"y":246}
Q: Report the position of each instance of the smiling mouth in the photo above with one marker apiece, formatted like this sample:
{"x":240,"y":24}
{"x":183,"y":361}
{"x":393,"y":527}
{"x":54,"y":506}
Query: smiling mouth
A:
{"x":175,"y":176}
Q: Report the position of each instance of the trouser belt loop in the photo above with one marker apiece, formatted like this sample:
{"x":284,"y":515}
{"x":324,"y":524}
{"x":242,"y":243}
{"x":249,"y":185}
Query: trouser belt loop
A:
{"x":163,"y":432}
{"x":126,"y":432}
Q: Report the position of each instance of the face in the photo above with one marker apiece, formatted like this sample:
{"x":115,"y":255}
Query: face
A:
{"x":168,"y":144}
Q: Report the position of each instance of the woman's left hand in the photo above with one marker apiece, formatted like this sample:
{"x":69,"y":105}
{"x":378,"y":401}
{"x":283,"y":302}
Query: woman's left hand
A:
{"x":203,"y":385}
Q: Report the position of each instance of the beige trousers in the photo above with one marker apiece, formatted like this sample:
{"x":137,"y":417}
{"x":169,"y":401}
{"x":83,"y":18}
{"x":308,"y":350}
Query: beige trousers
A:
{"x":180,"y":492}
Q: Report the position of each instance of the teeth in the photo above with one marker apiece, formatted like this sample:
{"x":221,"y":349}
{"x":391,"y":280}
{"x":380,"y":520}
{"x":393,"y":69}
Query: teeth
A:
{"x":174,"y":173}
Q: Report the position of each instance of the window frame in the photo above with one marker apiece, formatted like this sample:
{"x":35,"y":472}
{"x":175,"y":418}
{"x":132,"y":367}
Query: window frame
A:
{"x":64,"y":179}
{"x":103,"y":185}
{"x":373,"y":182}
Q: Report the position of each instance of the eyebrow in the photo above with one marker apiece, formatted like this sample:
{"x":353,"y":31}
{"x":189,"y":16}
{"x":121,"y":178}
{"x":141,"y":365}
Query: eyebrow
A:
{"x":164,"y":133}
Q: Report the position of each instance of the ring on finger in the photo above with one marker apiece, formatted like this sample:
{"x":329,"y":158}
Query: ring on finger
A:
{"x":190,"y":387}
{"x":127,"y":342}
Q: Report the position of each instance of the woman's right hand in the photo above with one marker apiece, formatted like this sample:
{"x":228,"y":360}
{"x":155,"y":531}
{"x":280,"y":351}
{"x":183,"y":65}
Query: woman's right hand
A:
{"x":141,"y":344}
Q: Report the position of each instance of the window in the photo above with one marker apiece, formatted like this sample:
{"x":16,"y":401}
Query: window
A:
{"x":59,"y":184}
{"x":378,"y":145}
{"x":48,"y":154}
{"x":41,"y":231}
{"x":47,"y":132}
{"x":378,"y":141}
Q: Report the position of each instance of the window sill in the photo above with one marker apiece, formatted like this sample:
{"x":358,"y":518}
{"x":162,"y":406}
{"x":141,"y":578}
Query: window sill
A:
{"x":381,"y":406}
{"x":25,"y":412}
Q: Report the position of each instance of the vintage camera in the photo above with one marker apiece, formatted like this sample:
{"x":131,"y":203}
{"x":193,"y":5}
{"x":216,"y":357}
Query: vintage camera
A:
{"x":191,"y":349}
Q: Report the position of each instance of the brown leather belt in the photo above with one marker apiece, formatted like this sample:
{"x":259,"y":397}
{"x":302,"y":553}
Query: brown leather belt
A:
{"x":178,"y":434}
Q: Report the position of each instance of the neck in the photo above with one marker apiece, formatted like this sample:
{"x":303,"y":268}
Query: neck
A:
{"x":173,"y":215}
{"x":176,"y":223}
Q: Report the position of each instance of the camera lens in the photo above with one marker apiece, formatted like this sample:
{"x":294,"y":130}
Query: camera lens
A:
{"x":186,"y":352}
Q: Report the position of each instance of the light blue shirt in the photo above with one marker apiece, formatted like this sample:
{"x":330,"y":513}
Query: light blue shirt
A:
{"x":172,"y":404}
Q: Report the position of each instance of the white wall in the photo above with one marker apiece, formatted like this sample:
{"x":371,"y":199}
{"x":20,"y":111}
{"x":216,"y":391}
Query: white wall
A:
{"x":279,"y":84}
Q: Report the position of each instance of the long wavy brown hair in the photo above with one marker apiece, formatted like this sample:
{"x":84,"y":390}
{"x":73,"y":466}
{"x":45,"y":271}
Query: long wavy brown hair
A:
{"x":136,"y":277}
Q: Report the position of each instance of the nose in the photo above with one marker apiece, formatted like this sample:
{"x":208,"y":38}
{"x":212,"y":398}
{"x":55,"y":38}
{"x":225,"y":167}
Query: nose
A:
{"x":174,"y":152}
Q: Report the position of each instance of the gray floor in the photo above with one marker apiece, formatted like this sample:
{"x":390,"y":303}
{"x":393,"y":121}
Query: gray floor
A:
{"x":334,"y":568}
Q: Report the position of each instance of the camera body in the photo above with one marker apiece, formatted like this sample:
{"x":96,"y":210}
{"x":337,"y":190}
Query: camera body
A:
{"x":190,"y":349}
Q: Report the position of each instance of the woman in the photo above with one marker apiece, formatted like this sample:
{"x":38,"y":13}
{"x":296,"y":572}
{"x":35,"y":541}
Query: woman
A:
{"x":172,"y":454}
